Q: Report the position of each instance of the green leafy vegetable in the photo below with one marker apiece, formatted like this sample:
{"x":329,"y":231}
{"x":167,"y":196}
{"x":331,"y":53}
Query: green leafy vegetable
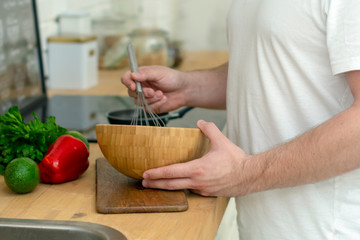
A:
{"x":20,"y":139}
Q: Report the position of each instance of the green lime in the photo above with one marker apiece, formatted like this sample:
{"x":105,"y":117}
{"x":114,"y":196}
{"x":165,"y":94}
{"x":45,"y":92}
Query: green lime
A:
{"x":79,"y":136}
{"x":22,"y":175}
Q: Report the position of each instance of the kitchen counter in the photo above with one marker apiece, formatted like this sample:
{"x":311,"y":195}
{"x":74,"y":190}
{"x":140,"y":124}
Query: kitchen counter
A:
{"x":75,"y":200}
{"x":110,"y":83}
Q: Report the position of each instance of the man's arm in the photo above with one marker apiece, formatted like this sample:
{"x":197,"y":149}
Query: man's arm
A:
{"x":328,"y":150}
{"x":207,"y":88}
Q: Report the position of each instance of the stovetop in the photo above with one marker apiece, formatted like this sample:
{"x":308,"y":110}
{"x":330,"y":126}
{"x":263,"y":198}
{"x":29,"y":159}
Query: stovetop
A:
{"x":83,"y":112}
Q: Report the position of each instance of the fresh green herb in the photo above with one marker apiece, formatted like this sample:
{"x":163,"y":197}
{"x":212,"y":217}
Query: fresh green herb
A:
{"x":20,"y":139}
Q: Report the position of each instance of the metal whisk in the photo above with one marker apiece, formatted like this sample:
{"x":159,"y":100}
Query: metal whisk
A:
{"x":143,"y":114}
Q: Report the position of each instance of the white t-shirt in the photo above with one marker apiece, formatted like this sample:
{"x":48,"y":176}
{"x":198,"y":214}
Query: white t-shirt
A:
{"x":287,"y":60}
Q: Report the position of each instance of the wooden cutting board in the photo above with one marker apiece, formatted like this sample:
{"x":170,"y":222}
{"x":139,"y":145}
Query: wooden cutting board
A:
{"x":117,"y":193}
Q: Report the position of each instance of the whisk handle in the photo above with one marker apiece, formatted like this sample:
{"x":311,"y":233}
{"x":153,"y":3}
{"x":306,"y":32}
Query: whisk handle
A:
{"x":132,"y":58}
{"x":138,"y":87}
{"x":133,"y":65}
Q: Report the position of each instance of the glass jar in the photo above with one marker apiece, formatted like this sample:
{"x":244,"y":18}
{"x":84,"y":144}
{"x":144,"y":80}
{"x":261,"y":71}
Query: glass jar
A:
{"x":151,"y":46}
{"x":112,"y":40}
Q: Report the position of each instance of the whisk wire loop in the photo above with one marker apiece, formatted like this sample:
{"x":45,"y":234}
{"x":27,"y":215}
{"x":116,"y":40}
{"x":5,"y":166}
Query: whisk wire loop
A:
{"x":143,"y":113}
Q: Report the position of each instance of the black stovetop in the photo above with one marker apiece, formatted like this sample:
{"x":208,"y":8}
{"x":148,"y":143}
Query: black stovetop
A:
{"x":82,"y":113}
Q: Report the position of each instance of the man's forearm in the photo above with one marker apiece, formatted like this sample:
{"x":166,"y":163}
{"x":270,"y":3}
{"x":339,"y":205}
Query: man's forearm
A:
{"x":207,"y":88}
{"x":331,"y":149}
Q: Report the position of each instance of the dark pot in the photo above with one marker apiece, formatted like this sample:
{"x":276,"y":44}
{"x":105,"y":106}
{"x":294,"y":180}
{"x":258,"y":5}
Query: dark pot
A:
{"x":124,"y":117}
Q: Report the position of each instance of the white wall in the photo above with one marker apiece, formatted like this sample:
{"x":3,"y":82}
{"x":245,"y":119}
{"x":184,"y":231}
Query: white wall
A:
{"x":49,"y":10}
{"x":200,"y":24}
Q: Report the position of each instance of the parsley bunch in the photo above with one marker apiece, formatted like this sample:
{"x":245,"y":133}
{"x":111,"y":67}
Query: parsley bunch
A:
{"x":20,"y":139}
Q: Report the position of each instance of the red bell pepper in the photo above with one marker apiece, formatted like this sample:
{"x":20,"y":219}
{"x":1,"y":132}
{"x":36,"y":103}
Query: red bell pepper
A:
{"x":65,"y":160}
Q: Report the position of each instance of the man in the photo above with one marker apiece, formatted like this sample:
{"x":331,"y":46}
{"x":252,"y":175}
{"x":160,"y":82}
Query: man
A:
{"x":292,"y":93}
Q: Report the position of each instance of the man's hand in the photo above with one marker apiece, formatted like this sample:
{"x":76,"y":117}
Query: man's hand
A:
{"x":215,"y":174}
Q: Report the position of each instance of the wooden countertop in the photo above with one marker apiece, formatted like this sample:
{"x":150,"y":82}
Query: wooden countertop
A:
{"x":110,"y":84}
{"x":75,"y":201}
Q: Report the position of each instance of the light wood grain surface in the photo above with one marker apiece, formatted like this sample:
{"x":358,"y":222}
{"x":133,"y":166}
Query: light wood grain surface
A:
{"x":134,"y":149}
{"x":75,"y":200}
{"x":116,"y":193}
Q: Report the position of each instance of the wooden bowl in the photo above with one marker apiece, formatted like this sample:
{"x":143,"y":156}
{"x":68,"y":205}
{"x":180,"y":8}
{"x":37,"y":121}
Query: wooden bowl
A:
{"x":134,"y":149}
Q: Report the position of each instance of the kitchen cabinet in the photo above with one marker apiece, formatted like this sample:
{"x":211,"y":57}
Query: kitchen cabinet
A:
{"x":75,"y":200}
